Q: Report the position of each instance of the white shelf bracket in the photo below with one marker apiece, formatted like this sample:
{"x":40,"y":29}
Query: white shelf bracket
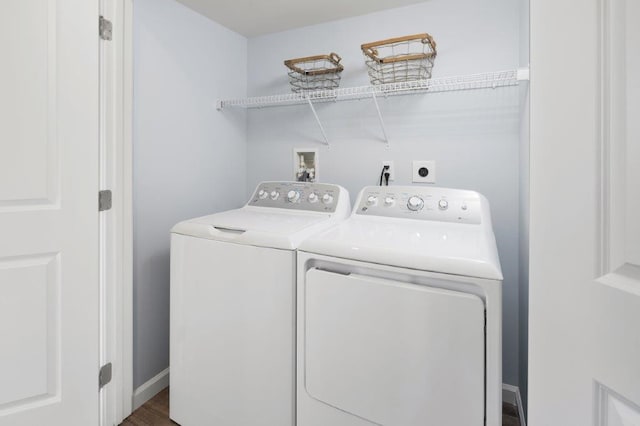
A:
{"x":384,"y":129}
{"x":522,"y":74}
{"x":315,"y":114}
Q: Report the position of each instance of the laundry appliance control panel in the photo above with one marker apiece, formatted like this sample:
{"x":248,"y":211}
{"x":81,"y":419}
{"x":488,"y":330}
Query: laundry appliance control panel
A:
{"x":316,"y":197}
{"x":424,"y":203}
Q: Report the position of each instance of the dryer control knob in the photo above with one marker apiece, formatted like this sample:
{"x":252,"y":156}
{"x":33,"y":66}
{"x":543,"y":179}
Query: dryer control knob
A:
{"x":274,"y":195}
{"x":389,"y":201}
{"x":415,"y":203}
{"x":372,"y":200}
{"x":443,"y":204}
{"x":262,"y":194}
{"x":313,"y":197}
{"x":293,"y":196}
{"x":327,"y":199}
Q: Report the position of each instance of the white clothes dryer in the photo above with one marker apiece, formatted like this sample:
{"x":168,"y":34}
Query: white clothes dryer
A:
{"x":232,"y":320}
{"x":399,"y":313}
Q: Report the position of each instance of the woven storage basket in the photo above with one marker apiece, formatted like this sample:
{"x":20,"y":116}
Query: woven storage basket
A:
{"x":321,"y":72}
{"x":394,"y":60}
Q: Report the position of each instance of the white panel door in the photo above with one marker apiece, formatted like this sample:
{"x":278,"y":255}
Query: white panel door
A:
{"x":48,"y":212}
{"x":584,"y":354}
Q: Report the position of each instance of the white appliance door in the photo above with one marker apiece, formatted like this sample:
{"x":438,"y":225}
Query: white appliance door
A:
{"x":49,"y":282}
{"x":232,"y":334}
{"x":393,"y":353}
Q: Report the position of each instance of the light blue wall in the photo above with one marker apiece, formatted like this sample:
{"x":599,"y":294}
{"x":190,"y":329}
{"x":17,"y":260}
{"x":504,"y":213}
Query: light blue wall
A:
{"x":473,"y":136}
{"x":188,"y":159}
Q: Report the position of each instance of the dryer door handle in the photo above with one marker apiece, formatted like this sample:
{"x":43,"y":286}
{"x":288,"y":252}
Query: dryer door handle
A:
{"x":332,"y":271}
{"x":229,"y":230}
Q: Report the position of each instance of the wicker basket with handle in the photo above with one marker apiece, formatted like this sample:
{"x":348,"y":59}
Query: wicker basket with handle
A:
{"x":320,"y":72}
{"x":407,"y":58}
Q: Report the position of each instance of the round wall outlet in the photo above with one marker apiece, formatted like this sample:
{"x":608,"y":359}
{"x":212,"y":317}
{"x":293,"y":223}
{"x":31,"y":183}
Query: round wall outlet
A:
{"x":424,"y":171}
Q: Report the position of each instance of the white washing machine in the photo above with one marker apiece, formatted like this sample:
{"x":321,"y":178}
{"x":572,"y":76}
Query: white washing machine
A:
{"x":399,"y":313}
{"x":233,"y":305}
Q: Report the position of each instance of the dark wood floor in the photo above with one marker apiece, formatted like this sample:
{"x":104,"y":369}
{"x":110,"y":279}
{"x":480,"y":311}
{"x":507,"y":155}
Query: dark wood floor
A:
{"x":510,"y":415}
{"x":156,"y":413}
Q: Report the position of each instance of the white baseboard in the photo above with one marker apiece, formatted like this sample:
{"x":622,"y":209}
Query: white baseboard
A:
{"x":511,"y":395}
{"x":150,"y":388}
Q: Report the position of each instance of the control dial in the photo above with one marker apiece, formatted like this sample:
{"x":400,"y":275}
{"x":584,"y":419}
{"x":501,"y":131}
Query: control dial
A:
{"x":389,"y":201}
{"x":415,"y":203}
{"x":313,"y":197}
{"x":262,"y":194}
{"x":293,"y":196}
{"x":443,"y":204}
{"x":327,"y":199}
{"x":372,"y":200}
{"x":274,"y":195}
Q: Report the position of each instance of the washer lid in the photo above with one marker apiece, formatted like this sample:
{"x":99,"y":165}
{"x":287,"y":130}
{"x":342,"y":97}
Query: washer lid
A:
{"x":278,"y":215}
{"x":265,"y":227}
{"x":451,"y":248}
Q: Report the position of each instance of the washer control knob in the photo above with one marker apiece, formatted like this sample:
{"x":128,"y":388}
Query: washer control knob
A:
{"x":313,"y":197}
{"x":293,"y":196}
{"x":274,"y":195}
{"x":389,"y":201}
{"x":464,"y":207}
{"x":372,"y":200}
{"x":262,"y":194}
{"x":327,"y":199}
{"x":443,"y":204}
{"x":415,"y":203}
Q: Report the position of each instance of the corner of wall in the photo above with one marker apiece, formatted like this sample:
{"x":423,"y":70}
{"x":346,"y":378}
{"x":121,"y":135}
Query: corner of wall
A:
{"x":523,"y":346}
{"x":184,"y":151}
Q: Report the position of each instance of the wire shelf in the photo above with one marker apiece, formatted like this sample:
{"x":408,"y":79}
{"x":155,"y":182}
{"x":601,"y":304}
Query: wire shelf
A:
{"x":490,"y":80}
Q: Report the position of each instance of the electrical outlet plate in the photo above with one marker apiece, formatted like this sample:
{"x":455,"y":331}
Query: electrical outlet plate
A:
{"x":391,"y":169}
{"x":424,"y":171}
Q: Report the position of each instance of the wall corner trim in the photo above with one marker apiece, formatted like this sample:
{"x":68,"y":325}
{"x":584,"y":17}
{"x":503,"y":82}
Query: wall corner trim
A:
{"x":150,"y":388}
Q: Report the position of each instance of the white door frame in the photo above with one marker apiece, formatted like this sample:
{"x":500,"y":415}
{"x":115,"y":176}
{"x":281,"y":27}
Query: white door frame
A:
{"x":116,"y":255}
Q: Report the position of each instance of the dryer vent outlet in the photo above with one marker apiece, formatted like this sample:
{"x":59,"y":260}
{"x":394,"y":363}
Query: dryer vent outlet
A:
{"x":424,"y":171}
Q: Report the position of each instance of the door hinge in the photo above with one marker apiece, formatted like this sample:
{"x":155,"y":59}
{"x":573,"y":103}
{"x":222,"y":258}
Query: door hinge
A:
{"x":104,"y":200}
{"x":106,"y":28}
{"x":104,"y":376}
